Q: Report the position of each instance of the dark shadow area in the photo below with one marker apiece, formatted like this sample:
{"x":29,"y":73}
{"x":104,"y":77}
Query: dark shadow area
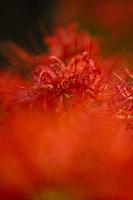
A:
{"x":21,"y":21}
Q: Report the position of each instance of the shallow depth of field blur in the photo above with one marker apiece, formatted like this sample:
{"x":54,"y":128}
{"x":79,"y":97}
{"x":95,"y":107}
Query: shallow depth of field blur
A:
{"x":27,"y":22}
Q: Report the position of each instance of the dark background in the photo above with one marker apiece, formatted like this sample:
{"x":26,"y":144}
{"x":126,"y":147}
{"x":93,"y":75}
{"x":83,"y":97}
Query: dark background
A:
{"x":22,"y":20}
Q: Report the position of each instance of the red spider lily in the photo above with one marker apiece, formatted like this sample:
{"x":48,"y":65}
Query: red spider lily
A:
{"x":56,"y":81}
{"x":123,"y":98}
{"x":56,"y":85}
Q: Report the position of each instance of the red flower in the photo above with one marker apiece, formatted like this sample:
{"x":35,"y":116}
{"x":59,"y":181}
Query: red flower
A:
{"x":85,"y":148}
{"x":123,"y":96}
{"x":57,"y":84}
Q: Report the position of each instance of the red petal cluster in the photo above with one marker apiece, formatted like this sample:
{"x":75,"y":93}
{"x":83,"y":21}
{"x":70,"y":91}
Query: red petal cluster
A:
{"x":60,"y":83}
